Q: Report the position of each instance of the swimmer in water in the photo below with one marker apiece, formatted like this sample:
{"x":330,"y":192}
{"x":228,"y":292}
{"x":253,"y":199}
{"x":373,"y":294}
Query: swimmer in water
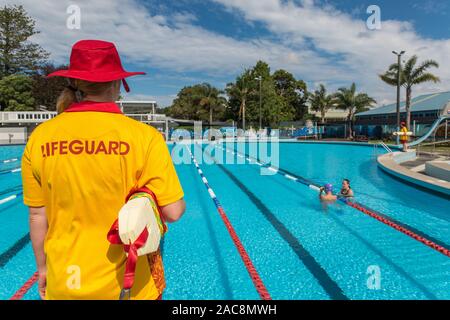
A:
{"x":346,"y":190}
{"x":326,"y":193}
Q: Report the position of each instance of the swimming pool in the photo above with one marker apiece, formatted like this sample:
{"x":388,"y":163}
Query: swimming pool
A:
{"x":300,"y":249}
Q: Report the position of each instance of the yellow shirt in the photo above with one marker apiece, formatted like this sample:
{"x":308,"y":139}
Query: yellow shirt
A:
{"x":404,"y":137}
{"x":81,"y":165}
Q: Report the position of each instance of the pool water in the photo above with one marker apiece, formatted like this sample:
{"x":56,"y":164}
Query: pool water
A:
{"x":300,"y":248}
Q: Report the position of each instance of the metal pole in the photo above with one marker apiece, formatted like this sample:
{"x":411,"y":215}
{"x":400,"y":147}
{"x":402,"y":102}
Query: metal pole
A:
{"x":446,"y":129}
{"x":398,"y":95}
{"x":399,"y":64}
{"x":167,"y":130}
{"x":260,"y":102}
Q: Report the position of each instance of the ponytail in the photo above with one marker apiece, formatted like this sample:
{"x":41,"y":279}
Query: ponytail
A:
{"x":77,"y":89}
{"x":65,"y":99}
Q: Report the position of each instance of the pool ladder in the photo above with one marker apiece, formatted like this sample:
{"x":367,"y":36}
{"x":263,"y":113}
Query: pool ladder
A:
{"x":383,"y":145}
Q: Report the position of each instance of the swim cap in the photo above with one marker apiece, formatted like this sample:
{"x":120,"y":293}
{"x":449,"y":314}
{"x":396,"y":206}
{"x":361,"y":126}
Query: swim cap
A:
{"x":329,"y":187}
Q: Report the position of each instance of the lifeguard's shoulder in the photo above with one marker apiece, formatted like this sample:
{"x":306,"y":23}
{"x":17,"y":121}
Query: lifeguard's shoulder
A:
{"x":140,"y":128}
{"x":45,"y":127}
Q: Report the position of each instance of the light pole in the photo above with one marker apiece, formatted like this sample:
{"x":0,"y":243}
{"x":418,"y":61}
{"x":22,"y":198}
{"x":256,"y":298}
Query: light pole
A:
{"x":260,"y":101}
{"x":399,"y":72}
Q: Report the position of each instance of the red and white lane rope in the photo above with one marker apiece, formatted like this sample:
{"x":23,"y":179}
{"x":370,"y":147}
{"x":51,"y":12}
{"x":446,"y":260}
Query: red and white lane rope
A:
{"x":371,"y":213}
{"x":25,"y":287}
{"x":254,"y":275}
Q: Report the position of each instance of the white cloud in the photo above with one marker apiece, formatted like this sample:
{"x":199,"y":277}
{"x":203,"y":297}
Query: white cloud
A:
{"x":363,"y":53}
{"x":319,"y":44}
{"x":150,"y":40}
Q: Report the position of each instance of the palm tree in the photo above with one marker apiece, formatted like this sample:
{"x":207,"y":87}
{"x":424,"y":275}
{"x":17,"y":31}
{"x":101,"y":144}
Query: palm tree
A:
{"x":211,"y":101}
{"x":241,"y":91}
{"x":348,"y":99}
{"x":410,"y":76}
{"x":321,"y":101}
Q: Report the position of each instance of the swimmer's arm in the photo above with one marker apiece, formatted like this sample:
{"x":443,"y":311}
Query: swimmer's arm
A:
{"x":173,"y":212}
{"x":38,"y":231}
{"x":321,"y":192}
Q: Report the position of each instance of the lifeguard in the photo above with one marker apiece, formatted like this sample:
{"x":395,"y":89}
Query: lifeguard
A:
{"x":404,"y":134}
{"x":88,"y":169}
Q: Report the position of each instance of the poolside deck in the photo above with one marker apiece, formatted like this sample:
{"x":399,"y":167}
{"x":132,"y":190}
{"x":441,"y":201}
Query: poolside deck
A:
{"x":410,"y":168}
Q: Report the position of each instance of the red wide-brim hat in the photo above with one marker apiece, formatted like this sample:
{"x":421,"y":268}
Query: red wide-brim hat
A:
{"x":95,"y":61}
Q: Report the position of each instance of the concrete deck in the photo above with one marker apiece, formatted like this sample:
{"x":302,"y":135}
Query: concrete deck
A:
{"x":394,"y":164}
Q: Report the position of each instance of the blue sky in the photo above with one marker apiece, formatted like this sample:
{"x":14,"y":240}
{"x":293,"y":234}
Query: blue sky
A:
{"x":183,"y":42}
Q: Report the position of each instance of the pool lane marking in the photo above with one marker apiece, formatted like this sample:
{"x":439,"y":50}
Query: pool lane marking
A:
{"x":413,"y":233}
{"x":25,"y":287}
{"x":10,"y":253}
{"x":254,"y":275}
{"x":319,"y":273}
{"x":12,"y":190}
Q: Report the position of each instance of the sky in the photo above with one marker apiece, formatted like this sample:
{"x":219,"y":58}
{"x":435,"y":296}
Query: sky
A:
{"x":185,"y":42}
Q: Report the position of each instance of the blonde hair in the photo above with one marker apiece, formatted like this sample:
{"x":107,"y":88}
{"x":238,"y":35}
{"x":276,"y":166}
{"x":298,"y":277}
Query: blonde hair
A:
{"x":79,"y":89}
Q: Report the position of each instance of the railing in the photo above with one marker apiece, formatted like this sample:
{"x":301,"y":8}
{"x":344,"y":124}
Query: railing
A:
{"x":16,"y":117}
{"x":385,"y":147}
{"x":422,"y":148}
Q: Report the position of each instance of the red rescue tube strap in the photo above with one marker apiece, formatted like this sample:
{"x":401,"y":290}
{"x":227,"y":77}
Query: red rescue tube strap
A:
{"x":131,"y":248}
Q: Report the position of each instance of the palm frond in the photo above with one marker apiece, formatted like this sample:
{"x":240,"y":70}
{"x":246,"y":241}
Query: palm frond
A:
{"x":423,"y":67}
{"x":426,"y":77}
{"x":389,"y":78}
{"x":409,"y":66}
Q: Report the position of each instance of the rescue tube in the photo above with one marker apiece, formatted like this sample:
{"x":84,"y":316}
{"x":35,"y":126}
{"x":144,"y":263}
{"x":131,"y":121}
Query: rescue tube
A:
{"x":409,"y":133}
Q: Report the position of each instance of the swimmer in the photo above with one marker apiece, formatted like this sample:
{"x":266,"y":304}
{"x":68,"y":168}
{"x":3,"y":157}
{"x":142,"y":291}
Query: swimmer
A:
{"x":346,"y":190}
{"x":326,"y":193}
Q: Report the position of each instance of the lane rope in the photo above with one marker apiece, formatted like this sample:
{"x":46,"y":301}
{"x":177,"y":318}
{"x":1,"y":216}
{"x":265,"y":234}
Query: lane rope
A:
{"x":5,"y":171}
{"x":25,"y":287}
{"x":9,"y":160}
{"x":254,"y":275}
{"x":7,"y":199}
{"x":371,"y":213}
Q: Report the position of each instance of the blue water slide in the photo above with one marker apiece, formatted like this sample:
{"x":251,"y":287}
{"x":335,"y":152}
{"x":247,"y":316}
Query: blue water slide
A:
{"x":429,"y":133}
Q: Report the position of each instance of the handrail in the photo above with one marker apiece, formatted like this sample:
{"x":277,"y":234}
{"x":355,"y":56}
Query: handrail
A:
{"x":432,"y":152}
{"x":385,"y":146}
{"x":433,"y":143}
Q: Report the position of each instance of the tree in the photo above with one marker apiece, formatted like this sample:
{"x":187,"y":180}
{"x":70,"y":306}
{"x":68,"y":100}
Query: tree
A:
{"x":17,"y":53}
{"x":238,"y":93}
{"x":15,"y":93}
{"x":348,"y":99}
{"x":410,"y":76}
{"x":293,"y":91}
{"x":282,"y":97}
{"x":47,"y":90}
{"x":211,"y":101}
{"x":198,"y":102}
{"x":321,"y":101}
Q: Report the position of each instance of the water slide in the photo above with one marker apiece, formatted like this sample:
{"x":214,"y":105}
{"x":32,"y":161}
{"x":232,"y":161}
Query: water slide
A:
{"x":429,"y":133}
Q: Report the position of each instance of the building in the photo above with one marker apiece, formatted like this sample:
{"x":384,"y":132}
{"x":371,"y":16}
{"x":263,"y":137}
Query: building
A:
{"x":425,"y":110}
{"x":138,"y":107}
{"x":332,"y":115}
{"x":16,"y":126}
